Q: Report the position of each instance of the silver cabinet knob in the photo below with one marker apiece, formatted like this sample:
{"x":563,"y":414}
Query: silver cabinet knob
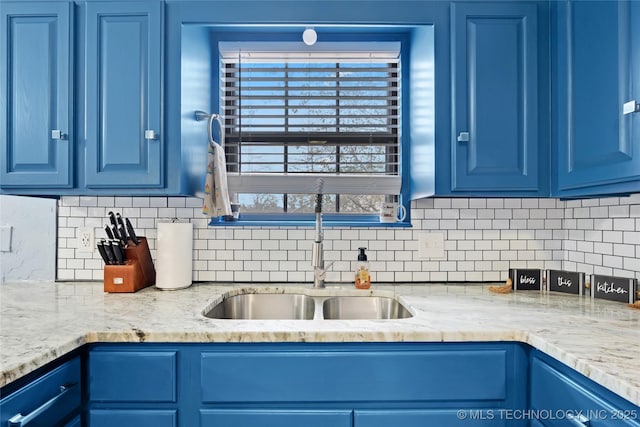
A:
{"x":463,"y":137}
{"x":150,"y":134}
{"x":630,"y":107}
{"x":58,"y":134}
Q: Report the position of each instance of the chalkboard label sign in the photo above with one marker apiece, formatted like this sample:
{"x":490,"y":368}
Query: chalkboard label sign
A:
{"x":565,"y":281}
{"x":613,"y":288}
{"x":526,"y":279}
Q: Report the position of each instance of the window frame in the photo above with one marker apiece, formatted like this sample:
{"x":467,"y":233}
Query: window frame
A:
{"x":335,"y":34}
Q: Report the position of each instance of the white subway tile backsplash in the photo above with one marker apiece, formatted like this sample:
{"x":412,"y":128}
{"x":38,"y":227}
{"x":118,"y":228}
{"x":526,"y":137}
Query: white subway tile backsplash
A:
{"x":619,"y":211}
{"x":631,"y":237}
{"x":442,"y":203}
{"x":483,"y":224}
{"x":577,"y":256}
{"x":157,"y":202}
{"x":466,"y":223}
{"x":484,"y":238}
{"x":590,"y":202}
{"x":624,"y":224}
{"x":123,"y":202}
{"x":594,"y":259}
{"x":460,"y":203}
{"x":478,"y":203}
{"x":612,"y":236}
{"x":610,"y":261}
{"x":512,"y":203}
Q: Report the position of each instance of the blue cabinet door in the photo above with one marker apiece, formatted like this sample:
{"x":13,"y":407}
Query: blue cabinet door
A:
{"x":432,"y":417}
{"x":133,"y":418}
{"x":35,"y":109}
{"x":124,"y":144}
{"x":496,"y":144}
{"x":48,"y":400}
{"x":558,"y":392}
{"x":425,"y":374}
{"x":132,"y":376}
{"x":274,"y":418}
{"x":597,"y":69}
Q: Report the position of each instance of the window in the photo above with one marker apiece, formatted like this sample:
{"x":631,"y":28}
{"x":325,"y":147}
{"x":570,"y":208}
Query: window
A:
{"x":295,"y":114}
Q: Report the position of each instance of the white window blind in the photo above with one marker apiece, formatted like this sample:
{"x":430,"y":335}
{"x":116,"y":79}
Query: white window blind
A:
{"x":294,"y":114}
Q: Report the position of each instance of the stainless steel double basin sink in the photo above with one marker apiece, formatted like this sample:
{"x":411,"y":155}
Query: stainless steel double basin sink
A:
{"x":300,"y":306}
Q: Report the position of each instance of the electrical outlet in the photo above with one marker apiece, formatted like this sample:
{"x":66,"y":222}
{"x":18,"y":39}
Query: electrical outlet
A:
{"x":431,"y":245}
{"x":85,"y":239}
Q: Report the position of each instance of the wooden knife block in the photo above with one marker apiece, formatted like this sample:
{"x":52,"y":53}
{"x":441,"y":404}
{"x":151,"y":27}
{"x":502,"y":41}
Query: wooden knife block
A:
{"x":137,"y":273}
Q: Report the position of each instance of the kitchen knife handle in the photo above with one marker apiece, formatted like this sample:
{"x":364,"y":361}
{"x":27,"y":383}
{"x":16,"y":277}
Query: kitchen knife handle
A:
{"x":118,"y":252}
{"x":115,"y":233}
{"x":103,"y":253}
{"x":112,"y":218}
{"x":108,"y":231}
{"x":123,"y":235}
{"x":122,"y":229}
{"x":109,"y":251}
{"x":132,"y":233}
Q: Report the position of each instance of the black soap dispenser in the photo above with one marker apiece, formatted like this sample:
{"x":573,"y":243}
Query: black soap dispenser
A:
{"x":363,"y":278}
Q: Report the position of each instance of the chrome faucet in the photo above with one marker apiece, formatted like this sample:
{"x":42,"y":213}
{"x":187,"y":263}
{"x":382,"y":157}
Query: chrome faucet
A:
{"x":317,"y":252}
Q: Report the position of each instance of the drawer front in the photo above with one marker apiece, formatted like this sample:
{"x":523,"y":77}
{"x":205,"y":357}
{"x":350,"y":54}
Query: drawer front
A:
{"x":275,"y":418}
{"x":132,"y":376}
{"x":556,"y":395}
{"x":133,"y":418}
{"x":440,"y":418}
{"x":32,"y":398}
{"x":330,"y":376}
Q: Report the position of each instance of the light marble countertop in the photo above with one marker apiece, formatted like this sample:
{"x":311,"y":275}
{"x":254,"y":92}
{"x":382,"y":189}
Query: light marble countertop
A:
{"x":41,"y":321}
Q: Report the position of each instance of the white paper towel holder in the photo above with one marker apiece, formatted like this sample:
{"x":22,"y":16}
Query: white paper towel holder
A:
{"x":174,"y":264}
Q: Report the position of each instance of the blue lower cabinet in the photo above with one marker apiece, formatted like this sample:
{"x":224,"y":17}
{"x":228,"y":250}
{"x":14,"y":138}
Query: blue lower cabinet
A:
{"x":132,"y":376}
{"x":369,"y":373}
{"x":430,"y":417}
{"x":49,"y":400}
{"x":341,"y":385}
{"x":133,"y":418}
{"x":558,"y":393}
{"x":133,"y":385}
{"x":275,"y":418}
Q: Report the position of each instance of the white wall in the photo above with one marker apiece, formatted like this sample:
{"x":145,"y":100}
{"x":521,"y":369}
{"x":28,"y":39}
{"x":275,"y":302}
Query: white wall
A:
{"x":484,"y":238}
{"x":33,"y":238}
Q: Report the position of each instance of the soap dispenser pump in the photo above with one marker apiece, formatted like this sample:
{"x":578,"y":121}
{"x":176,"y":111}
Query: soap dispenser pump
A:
{"x":363,"y":278}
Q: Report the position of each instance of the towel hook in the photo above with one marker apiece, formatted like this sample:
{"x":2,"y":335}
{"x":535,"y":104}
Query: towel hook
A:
{"x":202,"y":115}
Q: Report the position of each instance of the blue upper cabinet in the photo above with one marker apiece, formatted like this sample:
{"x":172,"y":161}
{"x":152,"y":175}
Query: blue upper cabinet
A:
{"x":596,"y":63}
{"x":124,"y":144}
{"x":498,"y":137}
{"x":35,"y":110}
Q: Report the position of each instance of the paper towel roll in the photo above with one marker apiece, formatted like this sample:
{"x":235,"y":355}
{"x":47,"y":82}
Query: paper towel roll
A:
{"x":174,"y":264}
